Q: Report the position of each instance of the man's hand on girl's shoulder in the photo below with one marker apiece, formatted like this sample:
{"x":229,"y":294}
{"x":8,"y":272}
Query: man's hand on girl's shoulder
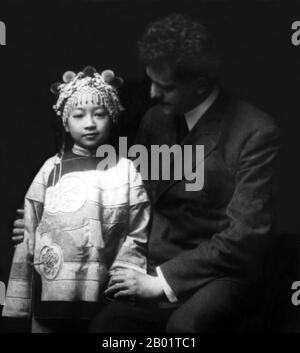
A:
{"x":18,"y":228}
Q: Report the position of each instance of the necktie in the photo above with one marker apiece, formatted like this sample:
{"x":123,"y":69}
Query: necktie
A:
{"x":181,"y":128}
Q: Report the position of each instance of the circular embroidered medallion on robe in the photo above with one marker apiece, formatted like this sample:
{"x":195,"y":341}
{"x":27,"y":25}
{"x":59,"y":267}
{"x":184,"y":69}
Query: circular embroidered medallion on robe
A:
{"x":51,"y":260}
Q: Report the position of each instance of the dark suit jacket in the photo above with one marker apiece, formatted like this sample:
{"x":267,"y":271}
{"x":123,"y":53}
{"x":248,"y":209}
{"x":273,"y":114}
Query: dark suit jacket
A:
{"x":225,"y":229}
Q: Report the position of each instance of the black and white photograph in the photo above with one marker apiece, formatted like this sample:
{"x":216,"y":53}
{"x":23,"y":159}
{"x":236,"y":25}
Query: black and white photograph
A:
{"x":149,"y":169}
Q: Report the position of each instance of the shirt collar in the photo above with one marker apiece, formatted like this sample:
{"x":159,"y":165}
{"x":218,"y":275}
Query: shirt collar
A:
{"x":194,"y":115}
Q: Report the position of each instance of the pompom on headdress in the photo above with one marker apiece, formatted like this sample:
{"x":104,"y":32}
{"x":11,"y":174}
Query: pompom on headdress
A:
{"x":86,"y":86}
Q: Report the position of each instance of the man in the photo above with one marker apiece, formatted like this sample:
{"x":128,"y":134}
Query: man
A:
{"x":207,"y":248}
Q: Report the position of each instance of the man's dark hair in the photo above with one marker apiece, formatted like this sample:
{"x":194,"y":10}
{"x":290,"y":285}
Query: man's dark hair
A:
{"x":182,"y":43}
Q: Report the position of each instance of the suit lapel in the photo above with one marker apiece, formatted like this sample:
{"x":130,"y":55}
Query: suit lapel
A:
{"x":206,"y":132}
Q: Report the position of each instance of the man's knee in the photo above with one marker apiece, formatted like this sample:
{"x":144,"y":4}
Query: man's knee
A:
{"x":179,"y":323}
{"x":123,"y":317}
{"x":191,"y":319}
{"x":219,"y":306}
{"x":103,"y":321}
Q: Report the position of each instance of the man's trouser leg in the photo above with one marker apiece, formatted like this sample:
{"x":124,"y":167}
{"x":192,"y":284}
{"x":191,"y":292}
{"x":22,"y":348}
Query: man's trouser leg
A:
{"x":220,"y":306}
{"x":121,"y":317}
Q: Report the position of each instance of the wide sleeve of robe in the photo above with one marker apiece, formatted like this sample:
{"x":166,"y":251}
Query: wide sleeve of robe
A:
{"x":19,"y":290}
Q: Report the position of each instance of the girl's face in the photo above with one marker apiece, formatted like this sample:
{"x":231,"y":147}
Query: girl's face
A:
{"x":89,"y":125}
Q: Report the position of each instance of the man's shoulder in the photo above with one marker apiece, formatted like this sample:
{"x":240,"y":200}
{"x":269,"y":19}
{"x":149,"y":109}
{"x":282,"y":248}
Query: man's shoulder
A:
{"x":246,"y":118}
{"x":247,"y":127}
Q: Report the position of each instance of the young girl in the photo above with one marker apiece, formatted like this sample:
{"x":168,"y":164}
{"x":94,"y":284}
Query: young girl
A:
{"x":81,"y":220}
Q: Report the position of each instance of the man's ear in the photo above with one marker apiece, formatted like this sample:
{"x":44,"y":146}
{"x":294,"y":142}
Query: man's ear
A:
{"x":202,"y":84}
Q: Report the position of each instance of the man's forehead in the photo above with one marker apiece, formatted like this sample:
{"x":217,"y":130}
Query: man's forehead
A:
{"x":162,"y":74}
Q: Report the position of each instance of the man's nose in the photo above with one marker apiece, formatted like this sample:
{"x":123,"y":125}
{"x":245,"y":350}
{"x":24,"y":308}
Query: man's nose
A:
{"x":155,"y":92}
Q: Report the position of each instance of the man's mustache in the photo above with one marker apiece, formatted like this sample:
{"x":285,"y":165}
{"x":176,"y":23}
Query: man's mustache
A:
{"x":158,"y":101}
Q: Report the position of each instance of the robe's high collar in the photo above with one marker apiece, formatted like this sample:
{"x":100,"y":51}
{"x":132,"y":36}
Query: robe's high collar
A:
{"x":83,"y":152}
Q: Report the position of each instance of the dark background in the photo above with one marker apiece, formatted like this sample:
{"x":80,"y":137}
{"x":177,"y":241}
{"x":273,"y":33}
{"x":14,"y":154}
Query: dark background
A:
{"x":44,"y":40}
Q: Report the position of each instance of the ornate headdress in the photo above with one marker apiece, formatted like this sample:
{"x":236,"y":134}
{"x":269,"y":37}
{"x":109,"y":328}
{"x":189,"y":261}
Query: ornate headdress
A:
{"x":87,"y":86}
